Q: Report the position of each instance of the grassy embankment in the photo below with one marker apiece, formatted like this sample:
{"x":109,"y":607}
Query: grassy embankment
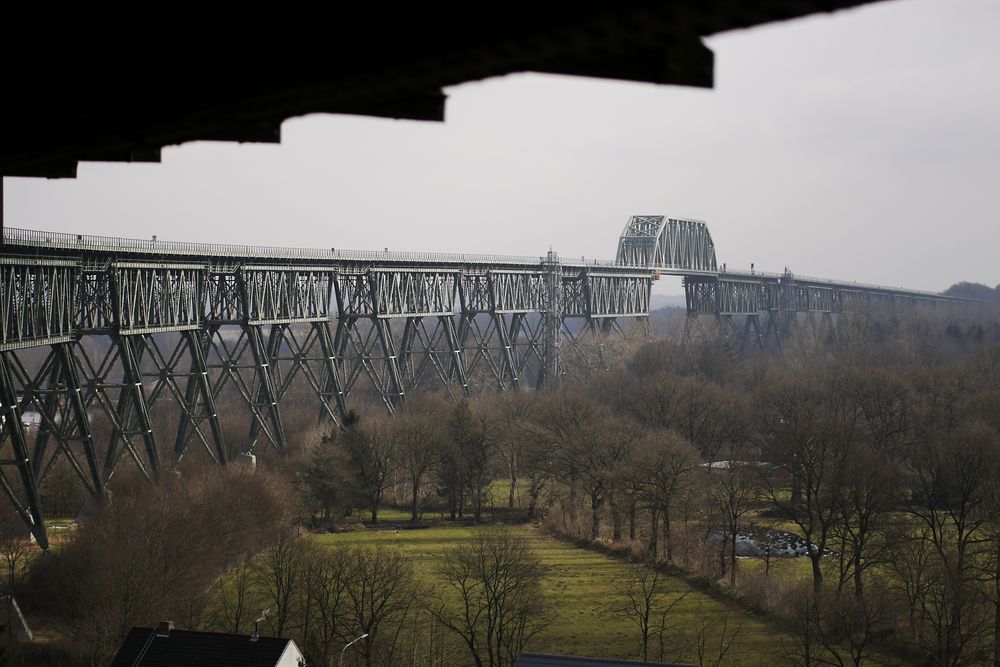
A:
{"x":581,"y":589}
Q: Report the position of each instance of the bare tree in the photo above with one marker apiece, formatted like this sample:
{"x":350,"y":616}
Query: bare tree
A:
{"x":710,"y":416}
{"x":645,"y":592}
{"x":714,"y":654}
{"x":325,"y":589}
{"x":601,"y":454}
{"x":324,"y":483}
{"x":733,"y":494}
{"x":665,"y":462}
{"x":369,"y":448}
{"x":497,"y":579}
{"x":872,"y":482}
{"x":279,"y":575}
{"x":514,"y":411}
{"x":16,"y":549}
{"x":808,"y":426}
{"x":418,"y":432}
{"x":848,"y":625}
{"x":380,"y":589}
{"x":910,"y":561}
{"x":235,"y":598}
{"x":473,"y":435}
{"x":951,"y":481}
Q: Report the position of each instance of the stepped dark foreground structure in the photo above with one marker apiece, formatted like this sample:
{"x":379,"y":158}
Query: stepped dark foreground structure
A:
{"x":97,"y":328}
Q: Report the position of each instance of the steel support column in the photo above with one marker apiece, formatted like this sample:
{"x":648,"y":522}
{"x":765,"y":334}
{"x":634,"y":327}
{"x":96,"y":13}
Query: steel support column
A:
{"x":552,"y":321}
{"x":135,"y":395}
{"x":333,"y":387}
{"x":198,"y":402}
{"x":63,"y":412}
{"x":392,"y":364}
{"x":30,"y":510}
{"x":267,"y":391}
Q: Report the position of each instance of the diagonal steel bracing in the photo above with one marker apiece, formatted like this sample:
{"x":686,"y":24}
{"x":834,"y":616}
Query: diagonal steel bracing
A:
{"x":17,"y":476}
{"x":54,"y":393}
{"x":236,"y":357}
{"x":170,"y":366}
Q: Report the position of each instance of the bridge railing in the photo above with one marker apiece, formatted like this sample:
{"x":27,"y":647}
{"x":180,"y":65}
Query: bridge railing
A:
{"x":841,"y":284}
{"x":84,"y":242}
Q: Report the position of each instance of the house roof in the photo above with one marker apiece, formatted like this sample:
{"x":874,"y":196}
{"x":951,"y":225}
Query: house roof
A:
{"x":144,"y":648}
{"x":543,"y":660}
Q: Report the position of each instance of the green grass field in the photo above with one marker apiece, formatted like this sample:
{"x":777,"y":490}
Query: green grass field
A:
{"x":581,"y":590}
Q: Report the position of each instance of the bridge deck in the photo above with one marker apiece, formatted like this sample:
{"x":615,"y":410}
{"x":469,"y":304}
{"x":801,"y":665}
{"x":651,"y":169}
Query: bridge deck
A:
{"x":108,"y":245}
{"x":811,"y":281}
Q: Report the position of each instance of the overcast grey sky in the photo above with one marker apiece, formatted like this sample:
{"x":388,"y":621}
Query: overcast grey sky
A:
{"x":863,"y":145}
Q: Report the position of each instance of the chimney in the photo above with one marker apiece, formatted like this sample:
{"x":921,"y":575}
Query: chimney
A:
{"x":164,"y":629}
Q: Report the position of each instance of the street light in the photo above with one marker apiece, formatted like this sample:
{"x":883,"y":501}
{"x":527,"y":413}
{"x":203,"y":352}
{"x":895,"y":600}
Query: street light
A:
{"x":340,"y":661}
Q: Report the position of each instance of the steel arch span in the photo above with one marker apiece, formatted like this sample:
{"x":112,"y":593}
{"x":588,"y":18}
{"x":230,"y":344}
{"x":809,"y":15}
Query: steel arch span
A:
{"x":672,"y":245}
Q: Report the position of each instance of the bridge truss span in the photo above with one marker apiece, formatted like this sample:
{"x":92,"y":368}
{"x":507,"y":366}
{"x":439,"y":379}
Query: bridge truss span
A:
{"x":761,"y":311}
{"x":678,"y":246}
{"x":129,"y":351}
{"x":101,"y":338}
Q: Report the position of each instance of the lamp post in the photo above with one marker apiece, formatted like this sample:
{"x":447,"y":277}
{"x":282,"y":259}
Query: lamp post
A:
{"x":340,"y":661}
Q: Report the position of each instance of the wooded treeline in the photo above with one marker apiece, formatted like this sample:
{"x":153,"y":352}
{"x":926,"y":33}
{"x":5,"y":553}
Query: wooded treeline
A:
{"x":879,"y":449}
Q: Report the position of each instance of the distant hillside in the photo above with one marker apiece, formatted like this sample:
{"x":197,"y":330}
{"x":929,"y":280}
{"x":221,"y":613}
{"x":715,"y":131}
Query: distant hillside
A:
{"x":974,"y":291}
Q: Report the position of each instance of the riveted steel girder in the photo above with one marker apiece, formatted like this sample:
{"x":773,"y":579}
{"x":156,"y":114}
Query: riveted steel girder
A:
{"x":36,"y":302}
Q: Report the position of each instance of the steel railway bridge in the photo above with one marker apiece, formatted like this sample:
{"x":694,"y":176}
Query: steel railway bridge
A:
{"x":97,"y":328}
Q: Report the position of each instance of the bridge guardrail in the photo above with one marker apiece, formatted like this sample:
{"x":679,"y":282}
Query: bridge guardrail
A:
{"x":841,"y":284}
{"x":60,"y":240}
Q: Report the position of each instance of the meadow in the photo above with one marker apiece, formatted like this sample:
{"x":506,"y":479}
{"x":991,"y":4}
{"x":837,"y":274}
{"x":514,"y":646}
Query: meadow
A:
{"x":581,"y":588}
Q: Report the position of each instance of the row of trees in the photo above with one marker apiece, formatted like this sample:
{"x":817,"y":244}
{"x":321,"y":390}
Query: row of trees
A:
{"x":482,"y":603}
{"x":887,"y":468}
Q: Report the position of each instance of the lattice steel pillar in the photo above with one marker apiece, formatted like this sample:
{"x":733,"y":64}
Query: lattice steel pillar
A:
{"x":60,"y":420}
{"x":507,"y":347}
{"x":31,"y":510}
{"x":134,"y":396}
{"x":333,"y":387}
{"x":198,"y":392}
{"x":398,"y":393}
{"x":267,"y":391}
{"x":457,"y":363}
{"x":552,"y":320}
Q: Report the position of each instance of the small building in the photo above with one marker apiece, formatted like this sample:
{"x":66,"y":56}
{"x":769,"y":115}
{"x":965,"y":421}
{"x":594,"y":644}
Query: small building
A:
{"x":771,"y":471}
{"x":166,"y":647}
